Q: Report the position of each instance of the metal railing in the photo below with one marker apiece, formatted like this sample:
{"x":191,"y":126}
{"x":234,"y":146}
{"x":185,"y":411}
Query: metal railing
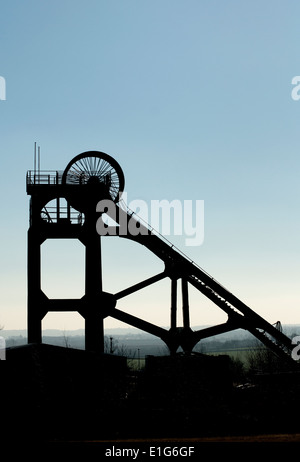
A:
{"x":51,"y":177}
{"x":53,"y":215}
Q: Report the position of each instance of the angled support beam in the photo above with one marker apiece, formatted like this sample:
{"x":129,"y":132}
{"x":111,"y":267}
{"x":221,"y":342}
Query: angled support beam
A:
{"x":277,"y":349}
{"x":213,"y":330}
{"x":140,"y":285}
{"x":226,"y":300}
{"x":140,"y":324}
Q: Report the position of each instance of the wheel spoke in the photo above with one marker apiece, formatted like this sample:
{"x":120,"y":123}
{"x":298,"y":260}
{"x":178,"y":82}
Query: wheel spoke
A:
{"x":98,"y":163}
{"x":85,"y":164}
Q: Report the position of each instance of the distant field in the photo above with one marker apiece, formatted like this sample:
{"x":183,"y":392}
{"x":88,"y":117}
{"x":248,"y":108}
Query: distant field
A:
{"x":235,"y":353}
{"x":136,"y":364}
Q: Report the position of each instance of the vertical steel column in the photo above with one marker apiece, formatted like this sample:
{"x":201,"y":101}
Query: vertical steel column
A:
{"x":68,"y":212}
{"x":34,"y":318}
{"x":94,"y":332}
{"x":185,"y":304}
{"x":173,"y":303}
{"x":57,"y":209}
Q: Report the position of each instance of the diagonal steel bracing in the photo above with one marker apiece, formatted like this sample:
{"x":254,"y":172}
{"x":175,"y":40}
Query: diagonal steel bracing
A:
{"x":177,"y":265}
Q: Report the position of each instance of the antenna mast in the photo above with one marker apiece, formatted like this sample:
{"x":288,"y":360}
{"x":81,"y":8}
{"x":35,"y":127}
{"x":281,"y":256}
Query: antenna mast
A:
{"x":39,"y":159}
{"x":34,"y":166}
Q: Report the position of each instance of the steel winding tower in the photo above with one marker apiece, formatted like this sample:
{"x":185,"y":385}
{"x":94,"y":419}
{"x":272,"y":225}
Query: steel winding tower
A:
{"x":87,"y":179}
{"x":92,"y":177}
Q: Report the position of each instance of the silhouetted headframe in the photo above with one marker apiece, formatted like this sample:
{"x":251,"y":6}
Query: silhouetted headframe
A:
{"x":92,"y":177}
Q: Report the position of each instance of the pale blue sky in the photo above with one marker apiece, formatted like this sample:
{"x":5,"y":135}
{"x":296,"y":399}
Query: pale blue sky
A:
{"x":193,"y":99}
